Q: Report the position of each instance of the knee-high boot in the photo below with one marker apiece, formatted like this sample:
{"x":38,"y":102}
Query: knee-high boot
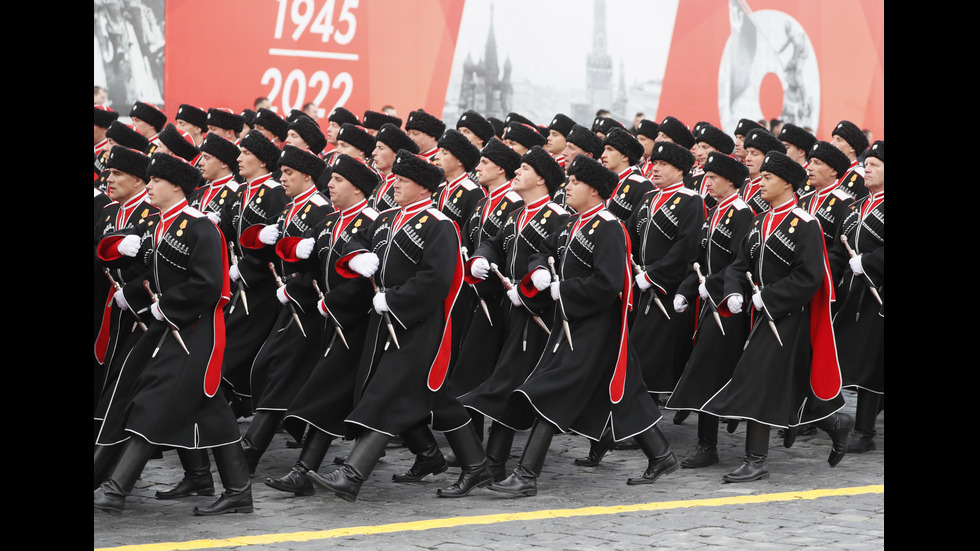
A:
{"x":754,"y":466}
{"x":523,"y":481}
{"x":105,"y":459}
{"x":706,"y":451}
{"x":111,"y":495}
{"x":197,"y":475}
{"x":233,"y":471}
{"x":259,"y":435}
{"x":499,"y":443}
{"x":346,"y":481}
{"x":862,"y":439}
{"x":428,"y":456}
{"x":472,"y":460}
{"x":315,"y":447}
{"x":837,"y":426}
{"x":597,"y":449}
{"x":660,"y":460}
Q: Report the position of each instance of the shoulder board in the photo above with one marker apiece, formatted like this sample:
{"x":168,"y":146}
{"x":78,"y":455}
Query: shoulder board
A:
{"x":193,"y":212}
{"x":840,"y":194}
{"x":687,"y":191}
{"x":97,"y":191}
{"x":370,"y":213}
{"x":112,"y":205}
{"x":437,"y":214}
{"x":557,"y":208}
{"x":232,"y":185}
{"x":270,"y":183}
{"x":513,"y":197}
{"x":739,"y":204}
{"x":469,"y":185}
{"x":636,"y":177}
{"x":804,"y":215}
{"x":318,"y":200}
{"x":606,"y":215}
{"x":391,"y":210}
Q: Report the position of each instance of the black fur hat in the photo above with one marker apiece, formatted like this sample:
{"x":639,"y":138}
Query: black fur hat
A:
{"x":546,"y":167}
{"x":727,"y":167}
{"x":104,"y":116}
{"x":174,"y":170}
{"x":852,"y":135}
{"x":225,"y":118}
{"x":418,"y":169}
{"x":498,"y":126}
{"x":744,"y":126}
{"x":586,"y":140}
{"x":677,"y":131}
{"x":605,"y":124}
{"x":341,"y":115}
{"x":784,"y":167}
{"x":562,"y":124}
{"x":127,"y":136}
{"x":395,"y":138}
{"x":247,"y":115}
{"x":194,"y":115}
{"x":877,"y":150}
{"x":128,"y":160}
{"x":477,"y":124}
{"x":460,"y":146}
{"x":763,"y":140}
{"x":503,"y":156}
{"x":357,"y":173}
{"x":425,"y":123}
{"x":828,"y":153}
{"x":301,"y":160}
{"x":591,"y":172}
{"x":716,"y":138}
{"x":374,"y":120}
{"x":177,"y":142}
{"x":272,"y":122}
{"x":222,"y":149}
{"x":795,"y":135}
{"x":262,"y":147}
{"x":673,"y":154}
{"x":524,"y":134}
{"x":151,"y":114}
{"x":623,"y":141}
{"x":309,"y":130}
{"x":358,"y":137}
{"x":648,"y":128}
{"x":296,"y":114}
{"x":517,"y":117}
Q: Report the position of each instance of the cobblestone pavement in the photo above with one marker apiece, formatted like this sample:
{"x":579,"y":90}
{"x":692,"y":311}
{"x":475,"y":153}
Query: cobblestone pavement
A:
{"x":682,"y":510}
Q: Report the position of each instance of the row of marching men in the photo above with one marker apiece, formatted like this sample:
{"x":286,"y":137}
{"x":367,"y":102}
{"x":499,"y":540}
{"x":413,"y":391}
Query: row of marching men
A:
{"x":383,"y":297}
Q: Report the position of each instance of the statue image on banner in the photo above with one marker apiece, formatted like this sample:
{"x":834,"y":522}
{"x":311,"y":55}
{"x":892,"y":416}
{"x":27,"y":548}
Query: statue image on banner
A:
{"x":129,"y":44}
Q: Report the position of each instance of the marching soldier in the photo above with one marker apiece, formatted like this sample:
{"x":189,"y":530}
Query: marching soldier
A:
{"x":122,"y":134}
{"x":621,"y":153}
{"x":390,"y":140}
{"x":335,"y":120}
{"x":192,"y":120}
{"x":580,"y":141}
{"x":758,"y":143}
{"x":219,"y":166}
{"x":558,"y":131}
{"x":851,"y":140}
{"x":827,"y":203}
{"x":374,"y":120}
{"x":425,"y":130}
{"x":709,"y":138}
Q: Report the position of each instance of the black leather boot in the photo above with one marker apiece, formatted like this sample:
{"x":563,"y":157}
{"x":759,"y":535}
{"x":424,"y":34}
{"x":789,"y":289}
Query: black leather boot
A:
{"x":523,"y":481}
{"x":754,"y":465}
{"x":110,"y":496}
{"x":706,"y":451}
{"x":731,"y":425}
{"x":197,"y":476}
{"x":346,"y":481}
{"x":681,"y":415}
{"x":233,"y":471}
{"x":105,"y":459}
{"x":660,"y":460}
{"x":428,"y":456}
{"x":466,"y":444}
{"x":838,"y":426}
{"x":499,"y":443}
{"x":259,"y":435}
{"x":862,"y":438}
{"x":597,"y":449}
{"x":315,"y":449}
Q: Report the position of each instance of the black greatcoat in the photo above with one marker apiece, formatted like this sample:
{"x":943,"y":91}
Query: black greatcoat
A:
{"x":171,"y":398}
{"x":599,"y":383}
{"x":421,"y":274}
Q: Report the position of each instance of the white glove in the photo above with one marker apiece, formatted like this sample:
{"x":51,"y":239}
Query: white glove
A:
{"x":680,"y":304}
{"x":514,"y":297}
{"x":130,"y":245}
{"x":269,"y":235}
{"x":480,"y":268}
{"x":703,"y":291}
{"x":554,"y":290}
{"x":856,"y":266}
{"x":643,"y":282}
{"x":322,"y":308}
{"x":365,"y":264}
{"x":233,"y":273}
{"x":380,"y":303}
{"x":281,"y":294}
{"x":757,"y":300}
{"x":305,"y":247}
{"x":215,"y":217}
{"x":735,"y":304}
{"x":155,"y":310}
{"x":121,"y":300}
{"x":540,"y":279}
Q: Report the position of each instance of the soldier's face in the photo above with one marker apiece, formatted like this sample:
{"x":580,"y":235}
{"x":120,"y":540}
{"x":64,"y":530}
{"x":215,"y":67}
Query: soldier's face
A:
{"x":267,"y":133}
{"x":473,"y":138}
{"x":348,"y":149}
{"x":408,"y":192}
{"x":423,"y":140}
{"x":579,"y":195}
{"x":820,"y":174}
{"x":294,"y":182}
{"x":520,"y":149}
{"x":795,"y":153}
{"x":661,"y":137}
{"x":332,"y":130}
{"x":187,"y":127}
{"x":343,"y":194}
{"x":841,"y":144}
{"x":647,"y":144}
{"x":162,"y":194}
{"x":874,"y":174}
{"x":384,"y":157}
{"x":488,"y":171}
{"x":123,"y":185}
{"x":211,"y":167}
{"x":144,"y":127}
{"x":718,"y":187}
{"x":293,"y":138}
{"x":739,"y":146}
{"x":526,"y":179}
{"x":665,"y":174}
{"x":249,"y":166}
{"x":701,"y":150}
{"x":571,"y":151}
{"x":753,"y":161}
{"x":556,"y":142}
{"x":613,"y":159}
{"x":773,"y":189}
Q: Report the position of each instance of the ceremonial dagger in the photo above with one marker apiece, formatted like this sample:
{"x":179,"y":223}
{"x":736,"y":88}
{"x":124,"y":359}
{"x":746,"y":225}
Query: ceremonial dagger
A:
{"x":483,"y":303}
{"x":653,"y":294}
{"x":564,"y":321}
{"x":509,"y":285}
{"x":391,"y":328}
{"x":714,"y":309}
{"x":336,"y":327}
{"x":755,"y":289}
{"x":241,"y":284}
{"x":118,"y":287}
{"x":156,"y":298}
{"x":867,"y":280}
{"x":279,"y":283}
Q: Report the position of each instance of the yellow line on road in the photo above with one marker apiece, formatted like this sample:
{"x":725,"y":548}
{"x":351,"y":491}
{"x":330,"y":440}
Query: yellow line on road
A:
{"x":492,"y":519}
